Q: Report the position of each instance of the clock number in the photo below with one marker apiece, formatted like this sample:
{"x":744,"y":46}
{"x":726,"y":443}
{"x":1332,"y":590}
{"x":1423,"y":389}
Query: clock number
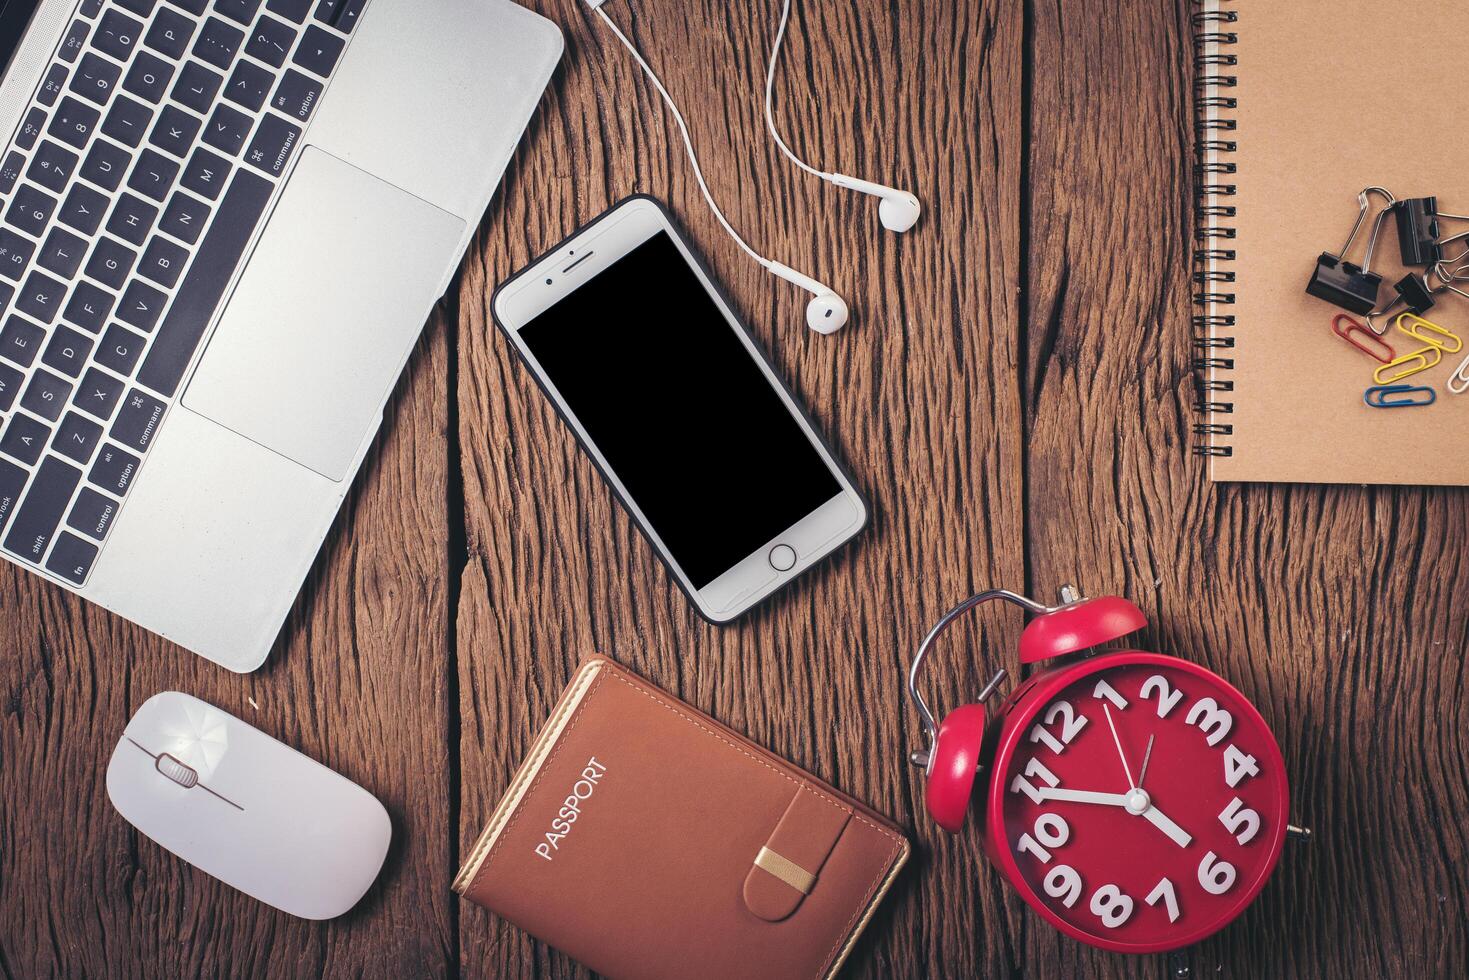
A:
{"x":1064,"y":883}
{"x":1215,"y":876}
{"x":1237,"y":766}
{"x":1028,"y":845}
{"x":1238,"y":815}
{"x":1052,"y":831}
{"x":1164,"y":891}
{"x":1207,"y":714}
{"x":1105,"y":690}
{"x":1022,"y":785}
{"x":1071,"y":726}
{"x":1167,"y":697}
{"x":1111,"y":905}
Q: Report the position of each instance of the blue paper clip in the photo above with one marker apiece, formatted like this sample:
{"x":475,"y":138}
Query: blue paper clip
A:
{"x":1399,"y":396}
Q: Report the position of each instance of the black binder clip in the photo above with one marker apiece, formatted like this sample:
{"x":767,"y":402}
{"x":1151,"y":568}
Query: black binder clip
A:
{"x":1417,"y":219}
{"x":1413,"y":293}
{"x":1342,"y":283}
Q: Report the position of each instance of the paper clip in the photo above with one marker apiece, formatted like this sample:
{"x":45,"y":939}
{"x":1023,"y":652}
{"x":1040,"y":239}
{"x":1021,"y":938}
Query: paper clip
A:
{"x":1399,"y":396}
{"x":1413,"y":325}
{"x":1426,"y":358}
{"x":1353,"y":327}
{"x":1459,"y":380}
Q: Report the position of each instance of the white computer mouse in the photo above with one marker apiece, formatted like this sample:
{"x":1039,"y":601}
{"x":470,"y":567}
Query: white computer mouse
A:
{"x":240,"y":806}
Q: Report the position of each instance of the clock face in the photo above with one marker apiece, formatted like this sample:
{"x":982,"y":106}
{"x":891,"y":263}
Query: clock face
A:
{"x":1139,"y":801}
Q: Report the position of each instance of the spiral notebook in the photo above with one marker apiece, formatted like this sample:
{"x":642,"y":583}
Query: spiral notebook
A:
{"x":1300,"y":106}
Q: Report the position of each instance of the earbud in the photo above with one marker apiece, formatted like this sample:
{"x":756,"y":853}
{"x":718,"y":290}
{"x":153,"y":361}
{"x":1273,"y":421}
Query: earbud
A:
{"x":897,"y":210}
{"x":827,"y":312}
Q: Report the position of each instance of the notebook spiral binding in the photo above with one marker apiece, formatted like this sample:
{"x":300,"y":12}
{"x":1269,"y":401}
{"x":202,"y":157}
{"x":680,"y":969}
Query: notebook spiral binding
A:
{"x":1213,"y":339}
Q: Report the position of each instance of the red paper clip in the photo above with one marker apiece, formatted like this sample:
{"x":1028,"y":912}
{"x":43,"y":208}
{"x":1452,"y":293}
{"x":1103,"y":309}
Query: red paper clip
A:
{"x":1355,"y":327}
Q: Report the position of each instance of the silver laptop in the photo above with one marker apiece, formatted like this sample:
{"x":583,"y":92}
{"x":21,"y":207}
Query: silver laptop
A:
{"x":223,"y":224}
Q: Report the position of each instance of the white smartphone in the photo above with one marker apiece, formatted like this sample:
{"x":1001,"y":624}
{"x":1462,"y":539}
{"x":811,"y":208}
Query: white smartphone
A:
{"x":669,"y":395}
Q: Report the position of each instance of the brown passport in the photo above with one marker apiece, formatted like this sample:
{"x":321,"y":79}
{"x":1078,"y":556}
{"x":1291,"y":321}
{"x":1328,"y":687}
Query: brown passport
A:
{"x":645,"y":839}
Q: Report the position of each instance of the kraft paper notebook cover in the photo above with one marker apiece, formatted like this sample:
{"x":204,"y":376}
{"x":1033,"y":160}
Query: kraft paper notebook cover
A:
{"x":1329,"y":98}
{"x":645,"y":839}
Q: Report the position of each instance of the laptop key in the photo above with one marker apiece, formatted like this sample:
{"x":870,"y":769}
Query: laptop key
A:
{"x":52,"y":166}
{"x":227,"y":129}
{"x":10,"y":384}
{"x":98,"y":394}
{"x":91,"y":8}
{"x":271,"y":41}
{"x":175,"y":131}
{"x":249,"y":85}
{"x":30,"y":129}
{"x":141,"y":306}
{"x":120,"y":350}
{"x":10,"y":171}
{"x":127,"y":121}
{"x":77,"y":438}
{"x":20,"y":342}
{"x":273,"y":143}
{"x":327,"y":10}
{"x":76,"y":39}
{"x":138,"y":420}
{"x":240,"y":11}
{"x":117,"y":35}
{"x":92,"y":514}
{"x":41,"y":297}
{"x":319,"y":51}
{"x":105,"y":164}
{"x":192,"y":6}
{"x":140,"y":7}
{"x":218,"y":43}
{"x":296,"y":95}
{"x":12,"y":482}
{"x":111,"y":262}
{"x":15,"y":254}
{"x":170,"y":33}
{"x":82,"y":209}
{"x":347,"y":16}
{"x":148,"y":78}
{"x":72,"y":558}
{"x":163,"y":262}
{"x":46,"y":395}
{"x":132,"y":218}
{"x":114,"y":470}
{"x":52,"y":85}
{"x":95,"y":78}
{"x":35,"y":523}
{"x":154,"y":175}
{"x":197,"y":87}
{"x":24,"y":439}
{"x":292,"y":10}
{"x":74,"y":122}
{"x":62,"y":253}
{"x":88,"y":307}
{"x":201,"y":290}
{"x":30,"y":209}
{"x":67,"y":352}
{"x":184,"y":218}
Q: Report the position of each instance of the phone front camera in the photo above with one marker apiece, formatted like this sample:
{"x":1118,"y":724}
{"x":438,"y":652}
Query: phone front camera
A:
{"x":548,"y":282}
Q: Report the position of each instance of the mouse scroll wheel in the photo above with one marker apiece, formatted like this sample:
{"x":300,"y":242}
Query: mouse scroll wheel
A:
{"x":184,"y":775}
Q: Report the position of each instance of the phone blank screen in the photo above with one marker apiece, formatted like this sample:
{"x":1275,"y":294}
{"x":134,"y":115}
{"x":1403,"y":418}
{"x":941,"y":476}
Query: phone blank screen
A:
{"x":683,"y":414}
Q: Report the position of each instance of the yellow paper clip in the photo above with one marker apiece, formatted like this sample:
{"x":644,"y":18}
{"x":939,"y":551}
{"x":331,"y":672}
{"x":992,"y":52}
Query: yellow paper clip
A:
{"x":1459,"y":380}
{"x":1424,"y":359}
{"x":1424,"y":330}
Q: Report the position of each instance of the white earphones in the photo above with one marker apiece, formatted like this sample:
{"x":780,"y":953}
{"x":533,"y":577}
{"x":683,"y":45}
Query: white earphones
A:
{"x":897,"y":210}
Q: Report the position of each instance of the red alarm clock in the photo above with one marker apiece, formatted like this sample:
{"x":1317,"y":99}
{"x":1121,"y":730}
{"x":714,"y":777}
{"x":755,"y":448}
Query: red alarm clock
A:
{"x":1136,"y":801}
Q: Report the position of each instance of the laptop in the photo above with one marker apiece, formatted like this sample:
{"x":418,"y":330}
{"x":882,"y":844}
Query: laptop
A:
{"x":223,"y":224}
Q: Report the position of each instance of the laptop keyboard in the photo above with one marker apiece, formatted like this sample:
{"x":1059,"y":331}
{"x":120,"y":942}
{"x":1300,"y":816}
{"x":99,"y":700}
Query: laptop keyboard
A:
{"x":134,"y":184}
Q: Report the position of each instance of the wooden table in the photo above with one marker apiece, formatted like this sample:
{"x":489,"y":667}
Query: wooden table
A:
{"x":1014,"y":394}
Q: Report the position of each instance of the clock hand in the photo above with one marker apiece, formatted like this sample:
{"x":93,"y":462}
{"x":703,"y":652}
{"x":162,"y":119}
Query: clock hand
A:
{"x":1175,"y":833}
{"x":1107,"y":709}
{"x":1147,"y":757}
{"x":1082,"y":796}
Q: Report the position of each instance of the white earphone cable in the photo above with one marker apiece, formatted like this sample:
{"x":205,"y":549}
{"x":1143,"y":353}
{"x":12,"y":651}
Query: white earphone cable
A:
{"x":780,"y":33}
{"x":687,"y":141}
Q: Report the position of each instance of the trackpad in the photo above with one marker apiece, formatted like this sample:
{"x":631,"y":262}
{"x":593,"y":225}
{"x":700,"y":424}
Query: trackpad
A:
{"x":325,"y":314}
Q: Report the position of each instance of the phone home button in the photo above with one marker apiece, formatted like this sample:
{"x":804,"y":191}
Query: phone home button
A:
{"x":782,"y":558}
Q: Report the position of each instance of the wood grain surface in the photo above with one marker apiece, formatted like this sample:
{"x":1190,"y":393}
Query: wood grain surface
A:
{"x":1014,"y":396}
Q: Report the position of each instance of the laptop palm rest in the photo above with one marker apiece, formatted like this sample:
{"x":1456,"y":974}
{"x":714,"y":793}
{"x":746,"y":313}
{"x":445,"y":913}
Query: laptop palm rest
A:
{"x":325,"y":315}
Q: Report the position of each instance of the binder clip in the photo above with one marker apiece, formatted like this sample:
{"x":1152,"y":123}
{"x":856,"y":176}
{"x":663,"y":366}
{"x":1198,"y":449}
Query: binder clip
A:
{"x":1370,"y":344}
{"x":1418,"y":230}
{"x":1342,"y":283}
{"x":1399,"y":396}
{"x":1413,"y":293}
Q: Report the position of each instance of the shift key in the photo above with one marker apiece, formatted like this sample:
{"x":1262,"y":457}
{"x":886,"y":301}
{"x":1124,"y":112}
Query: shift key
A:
{"x":137,"y":422}
{"x":36,"y":522}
